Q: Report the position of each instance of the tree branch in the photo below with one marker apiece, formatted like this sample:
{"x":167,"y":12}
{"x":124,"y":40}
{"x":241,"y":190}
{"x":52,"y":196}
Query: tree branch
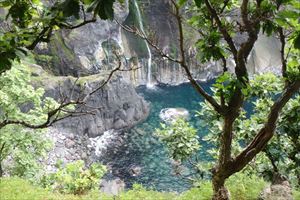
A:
{"x":181,"y":61}
{"x":221,"y":28}
{"x":70,"y":26}
{"x":282,"y":52}
{"x":53,"y":116}
{"x":267,"y":132}
{"x":183,"y":64}
{"x":47,"y":31}
{"x":118,"y":68}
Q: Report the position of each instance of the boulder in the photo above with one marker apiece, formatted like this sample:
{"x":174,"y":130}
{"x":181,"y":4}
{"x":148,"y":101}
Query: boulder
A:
{"x":135,"y":170}
{"x":170,"y":115}
{"x":112,"y":187}
{"x":280,"y":189}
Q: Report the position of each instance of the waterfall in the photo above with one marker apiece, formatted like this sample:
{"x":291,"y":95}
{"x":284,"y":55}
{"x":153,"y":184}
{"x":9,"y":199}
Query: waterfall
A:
{"x":149,"y":63}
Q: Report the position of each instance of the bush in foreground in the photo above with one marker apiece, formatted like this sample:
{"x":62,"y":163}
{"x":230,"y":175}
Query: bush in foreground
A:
{"x":241,"y":187}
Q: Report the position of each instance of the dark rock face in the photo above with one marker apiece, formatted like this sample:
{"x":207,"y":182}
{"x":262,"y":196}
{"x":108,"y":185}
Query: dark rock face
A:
{"x":88,"y":49}
{"x":116,"y":106}
{"x":80,"y":51}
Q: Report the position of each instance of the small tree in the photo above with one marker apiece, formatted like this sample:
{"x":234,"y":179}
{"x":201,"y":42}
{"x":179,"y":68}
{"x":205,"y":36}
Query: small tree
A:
{"x":21,"y":103}
{"x":280,"y":154}
{"x":25,"y":112}
{"x":181,"y":139}
{"x":74,"y":178}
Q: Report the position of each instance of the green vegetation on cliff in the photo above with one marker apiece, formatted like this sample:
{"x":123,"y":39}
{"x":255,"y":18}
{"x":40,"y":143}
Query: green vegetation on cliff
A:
{"x":241,"y":187}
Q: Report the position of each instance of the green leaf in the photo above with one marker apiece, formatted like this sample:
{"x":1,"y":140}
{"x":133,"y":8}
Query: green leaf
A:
{"x":6,"y":59}
{"x":198,"y":3}
{"x":103,"y":8}
{"x":297,"y":41}
{"x":268,"y":27}
{"x":289,"y":14}
{"x":70,"y":8}
{"x":182,"y":2}
{"x":5,"y":3}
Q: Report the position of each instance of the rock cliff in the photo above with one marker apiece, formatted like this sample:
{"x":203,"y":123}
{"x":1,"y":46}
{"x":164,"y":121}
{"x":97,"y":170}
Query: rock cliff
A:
{"x":116,"y":106}
{"x":89,"y":49}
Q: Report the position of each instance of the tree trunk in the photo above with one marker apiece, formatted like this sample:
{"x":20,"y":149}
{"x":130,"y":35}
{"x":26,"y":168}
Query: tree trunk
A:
{"x":219,"y":189}
{"x":1,"y":170}
{"x":1,"y":154}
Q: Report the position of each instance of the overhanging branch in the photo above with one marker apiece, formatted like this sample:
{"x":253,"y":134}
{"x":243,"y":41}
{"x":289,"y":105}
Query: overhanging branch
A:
{"x":61,"y":112}
{"x":182,"y":61}
{"x":267,"y":132}
{"x":221,"y":28}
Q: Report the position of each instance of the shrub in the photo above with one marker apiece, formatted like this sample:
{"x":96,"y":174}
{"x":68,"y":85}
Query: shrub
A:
{"x":74,"y":178}
{"x":180,"y":137}
{"x":20,"y":148}
{"x":14,"y":188}
{"x":241,"y":187}
{"x":139,"y":192}
{"x":203,"y":191}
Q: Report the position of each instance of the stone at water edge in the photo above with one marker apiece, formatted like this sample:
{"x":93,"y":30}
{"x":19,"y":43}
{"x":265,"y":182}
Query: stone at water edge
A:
{"x":135,"y":170}
{"x":280,"y":189}
{"x":170,"y":115}
{"x":112,"y":187}
{"x":277,"y":192}
{"x":101,"y":143}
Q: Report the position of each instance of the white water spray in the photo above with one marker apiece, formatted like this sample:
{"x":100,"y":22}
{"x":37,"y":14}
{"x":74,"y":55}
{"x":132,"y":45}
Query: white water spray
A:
{"x":141,"y":27}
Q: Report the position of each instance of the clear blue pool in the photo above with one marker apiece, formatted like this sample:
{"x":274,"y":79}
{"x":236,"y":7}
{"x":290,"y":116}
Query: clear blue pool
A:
{"x":142,"y":148}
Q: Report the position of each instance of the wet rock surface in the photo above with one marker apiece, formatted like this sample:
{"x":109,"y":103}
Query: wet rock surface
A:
{"x":170,"y":115}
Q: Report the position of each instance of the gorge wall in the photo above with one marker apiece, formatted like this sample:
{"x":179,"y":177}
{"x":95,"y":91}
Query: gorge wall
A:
{"x":89,"y":49}
{"x":115,"y":106}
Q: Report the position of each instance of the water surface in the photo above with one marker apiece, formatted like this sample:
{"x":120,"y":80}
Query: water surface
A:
{"x":141,"y":147}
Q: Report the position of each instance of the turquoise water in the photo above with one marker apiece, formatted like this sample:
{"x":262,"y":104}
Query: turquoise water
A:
{"x":141,"y":148}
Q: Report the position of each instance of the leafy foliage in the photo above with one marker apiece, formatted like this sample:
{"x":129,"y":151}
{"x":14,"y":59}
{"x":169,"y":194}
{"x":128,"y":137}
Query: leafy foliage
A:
{"x":21,"y":151}
{"x":281,"y":154}
{"x":140,"y":192}
{"x":31,"y":22}
{"x":74,"y":178}
{"x":181,"y":139}
{"x":241,"y":187}
{"x":14,"y":188}
{"x":20,"y":101}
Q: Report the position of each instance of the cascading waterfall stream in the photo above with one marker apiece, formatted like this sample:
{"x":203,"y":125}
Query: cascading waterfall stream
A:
{"x":141,"y":27}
